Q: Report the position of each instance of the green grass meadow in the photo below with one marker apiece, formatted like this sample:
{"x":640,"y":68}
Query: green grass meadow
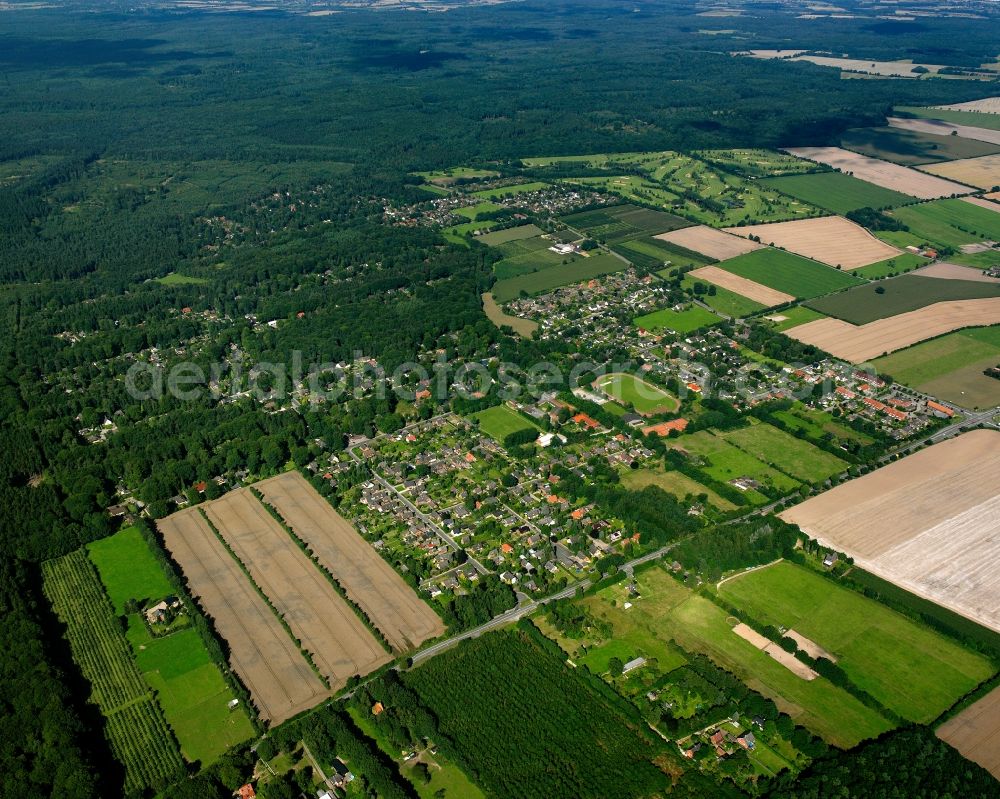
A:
{"x":684,"y":321}
{"x":791,"y":455}
{"x":790,"y":273}
{"x":560,"y":275}
{"x":837,"y":192}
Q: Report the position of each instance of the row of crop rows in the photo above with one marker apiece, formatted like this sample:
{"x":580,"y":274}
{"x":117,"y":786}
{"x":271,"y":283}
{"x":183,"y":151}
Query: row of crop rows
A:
{"x":106,"y":659}
{"x":141,"y":740}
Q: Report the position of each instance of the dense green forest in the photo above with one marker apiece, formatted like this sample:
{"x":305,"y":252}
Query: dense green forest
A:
{"x":170,"y":181}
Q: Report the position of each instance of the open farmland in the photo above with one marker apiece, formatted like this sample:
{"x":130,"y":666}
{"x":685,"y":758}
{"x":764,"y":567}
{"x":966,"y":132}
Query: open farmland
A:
{"x":975,"y":732}
{"x":950,"y":223}
{"x":372,"y":584}
{"x":646,"y":398}
{"x":330,"y":631}
{"x":555,"y":276}
{"x":864,"y":342}
{"x":909,"y":292}
{"x":831,"y":240}
{"x":746,"y":288}
{"x":912,"y":148}
{"x":509,"y":234}
{"x":653,"y":253}
{"x":954,"y":123}
{"x":617,"y":223}
{"x":726,"y":301}
{"x":988,"y":105}
{"x":944,"y":503}
{"x":667,"y":610}
{"x":983,"y":172}
{"x":839,"y":193}
{"x":684,"y":321}
{"x":911,"y":669}
{"x":789,"y":273}
{"x":882,"y":173}
{"x":261,"y":652}
{"x":714,"y":243}
{"x":786,"y":453}
{"x":950,"y":367}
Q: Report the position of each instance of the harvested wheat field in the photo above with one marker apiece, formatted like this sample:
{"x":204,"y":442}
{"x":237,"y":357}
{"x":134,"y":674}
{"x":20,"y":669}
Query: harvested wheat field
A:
{"x":927,"y":523}
{"x":746,"y":288}
{"x":372,"y":584}
{"x":857,"y":343}
{"x":941,"y":128}
{"x":267,"y":660}
{"x":709,"y":241}
{"x":975,"y":732}
{"x":329,"y":629}
{"x":882,"y":173}
{"x":982,"y":172}
{"x":831,"y":240}
{"x":946,"y":271}
{"x":988,"y":105}
{"x":990,"y":203}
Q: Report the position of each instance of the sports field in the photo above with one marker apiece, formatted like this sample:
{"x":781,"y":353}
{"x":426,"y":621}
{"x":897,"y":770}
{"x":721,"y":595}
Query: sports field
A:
{"x":951,"y":367}
{"x":786,"y":453}
{"x":724,"y":462}
{"x":500,"y":421}
{"x":679,"y":321}
{"x":646,"y":398}
{"x":789,"y":273}
{"x":950,"y":223}
{"x":944,"y":504}
{"x":189,"y":686}
{"x":911,"y":148}
{"x":911,"y":669}
{"x":838,"y":192}
{"x":668,"y":611}
{"x":554,"y":276}
{"x":617,"y":223}
{"x":908,"y":292}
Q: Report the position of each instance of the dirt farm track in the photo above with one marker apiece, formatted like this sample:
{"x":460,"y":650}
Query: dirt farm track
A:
{"x":927,"y":523}
{"x":266,"y":659}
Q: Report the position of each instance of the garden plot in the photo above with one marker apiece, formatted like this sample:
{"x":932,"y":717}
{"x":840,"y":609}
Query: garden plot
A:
{"x":941,"y":128}
{"x":264,"y":656}
{"x":831,"y":240}
{"x":338,"y":641}
{"x":710,"y":241}
{"x":882,"y":173}
{"x":371,"y":583}
{"x":983,"y":172}
{"x":857,"y":343}
{"x":944,"y":503}
{"x":746,"y":288}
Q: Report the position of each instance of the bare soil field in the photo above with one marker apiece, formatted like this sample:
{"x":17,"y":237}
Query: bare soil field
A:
{"x":742,"y":286}
{"x":944,"y":507}
{"x":941,"y":128}
{"x":831,"y":240}
{"x":709,"y":241}
{"x":983,"y":172}
{"x":857,"y":343}
{"x":946,"y":271}
{"x":882,"y":173}
{"x":266,"y":659}
{"x":990,"y":203}
{"x":975,"y":732}
{"x":768,"y":647}
{"x":988,"y":105}
{"x":372,"y":584}
{"x":338,"y":641}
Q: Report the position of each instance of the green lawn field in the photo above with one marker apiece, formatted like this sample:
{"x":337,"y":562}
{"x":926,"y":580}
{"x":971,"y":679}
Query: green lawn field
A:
{"x":646,"y":398}
{"x":174,"y":279}
{"x":909,"y":292}
{"x":950,"y":223}
{"x":791,"y":455}
{"x":555,"y":276}
{"x":910,"y":668}
{"x":727,"y":462}
{"x":189,"y":686}
{"x":672,"y":482}
{"x":789,"y":273}
{"x":904,"y":262}
{"x":838,"y":192}
{"x":725,"y":301}
{"x":510,"y":191}
{"x":950,"y":367}
{"x":909,"y":148}
{"x":509,"y":234}
{"x":758,"y":163}
{"x":473,"y":212}
{"x":684,"y":321}
{"x":668,"y":611}
{"x":796,"y":316}
{"x":457,"y":233}
{"x":500,"y":421}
